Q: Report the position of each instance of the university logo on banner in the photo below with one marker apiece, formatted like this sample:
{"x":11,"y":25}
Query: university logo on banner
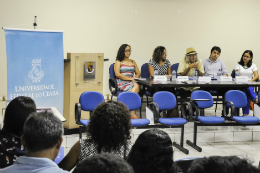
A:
{"x":36,"y":74}
{"x":35,"y":66}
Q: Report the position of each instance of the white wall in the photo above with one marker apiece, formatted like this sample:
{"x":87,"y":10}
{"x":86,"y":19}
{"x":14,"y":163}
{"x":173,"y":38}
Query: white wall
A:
{"x":103,"y":25}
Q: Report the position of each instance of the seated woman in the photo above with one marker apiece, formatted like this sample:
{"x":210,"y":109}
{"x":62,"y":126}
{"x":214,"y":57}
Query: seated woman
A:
{"x":17,"y":111}
{"x":124,"y":70}
{"x":249,"y":69}
{"x":108,"y":132}
{"x":160,"y":62}
{"x":163,"y":66}
{"x":152,"y":153}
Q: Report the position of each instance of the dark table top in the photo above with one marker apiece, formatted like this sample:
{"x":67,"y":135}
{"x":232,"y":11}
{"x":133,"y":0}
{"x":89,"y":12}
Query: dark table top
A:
{"x":213,"y":83}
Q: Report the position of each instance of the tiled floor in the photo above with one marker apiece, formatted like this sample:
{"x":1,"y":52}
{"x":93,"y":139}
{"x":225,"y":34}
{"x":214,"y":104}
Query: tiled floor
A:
{"x":221,"y":141}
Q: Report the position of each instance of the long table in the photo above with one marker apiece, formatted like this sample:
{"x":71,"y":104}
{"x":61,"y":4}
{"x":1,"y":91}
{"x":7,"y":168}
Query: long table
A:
{"x":213,"y":83}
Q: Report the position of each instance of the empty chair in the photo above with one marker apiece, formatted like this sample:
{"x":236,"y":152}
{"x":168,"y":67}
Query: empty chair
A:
{"x":145,"y":74}
{"x":163,"y":101}
{"x":88,"y":101}
{"x":133,"y":102}
{"x":201,"y":100}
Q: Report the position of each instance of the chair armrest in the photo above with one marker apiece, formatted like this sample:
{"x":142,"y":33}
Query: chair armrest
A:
{"x":155,"y":108}
{"x":183,"y":110}
{"x":199,"y":99}
{"x":232,"y":109}
{"x":112,"y":84}
{"x":196,"y":107}
{"x":77,"y":113}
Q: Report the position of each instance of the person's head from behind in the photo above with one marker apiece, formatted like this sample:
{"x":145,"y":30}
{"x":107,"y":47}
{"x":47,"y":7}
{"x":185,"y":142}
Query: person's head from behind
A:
{"x":123,"y":52}
{"x":17,"y":111}
{"x":110,"y":125}
{"x":215,"y":53}
{"x":152,"y":152}
{"x":247,"y":58}
{"x":223,"y":164}
{"x":159,"y":54}
{"x":103,"y":163}
{"x":42,"y":133}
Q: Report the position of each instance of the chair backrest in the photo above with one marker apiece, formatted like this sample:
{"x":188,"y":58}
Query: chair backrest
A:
{"x":90,"y":99}
{"x":145,"y":71}
{"x":112,"y":71}
{"x":200,"y":94}
{"x":237,"y":97}
{"x":131,"y":100}
{"x":165,"y":100}
{"x":175,"y":67}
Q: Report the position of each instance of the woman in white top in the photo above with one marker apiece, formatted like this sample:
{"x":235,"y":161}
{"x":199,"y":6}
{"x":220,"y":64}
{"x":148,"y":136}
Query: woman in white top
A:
{"x":249,"y":69}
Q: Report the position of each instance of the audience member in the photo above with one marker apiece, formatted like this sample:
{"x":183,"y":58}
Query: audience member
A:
{"x":222,"y":164}
{"x":17,"y":111}
{"x":108,"y":132}
{"x":42,"y":138}
{"x":247,"y":68}
{"x":103,"y":163}
{"x":187,"y":67}
{"x":124,"y":70}
{"x":152,"y":153}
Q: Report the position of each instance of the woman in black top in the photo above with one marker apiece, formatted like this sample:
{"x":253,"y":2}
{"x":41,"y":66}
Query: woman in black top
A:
{"x":16,"y":113}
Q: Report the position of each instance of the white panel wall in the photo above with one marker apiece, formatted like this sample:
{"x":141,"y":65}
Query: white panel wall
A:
{"x":103,"y":25}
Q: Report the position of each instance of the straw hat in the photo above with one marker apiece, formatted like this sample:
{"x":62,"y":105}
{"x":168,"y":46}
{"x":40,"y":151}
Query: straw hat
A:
{"x":190,"y":51}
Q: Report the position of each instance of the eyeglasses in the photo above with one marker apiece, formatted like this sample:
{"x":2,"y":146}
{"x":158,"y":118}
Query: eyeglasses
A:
{"x":128,"y":50}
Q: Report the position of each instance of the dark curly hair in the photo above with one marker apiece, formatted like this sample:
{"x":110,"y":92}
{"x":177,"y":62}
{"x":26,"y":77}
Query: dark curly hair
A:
{"x":152,"y":153}
{"x":110,"y":125}
{"x":223,"y":164}
{"x":158,"y":53}
{"x":121,"y":52}
{"x":241,"y":62}
{"x":104,"y":163}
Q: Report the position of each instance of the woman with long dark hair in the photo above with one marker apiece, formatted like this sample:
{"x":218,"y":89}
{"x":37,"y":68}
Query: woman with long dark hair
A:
{"x":246,"y":67}
{"x":17,"y":112}
{"x":107,"y":132}
{"x":152,"y":153}
{"x":125,"y":68}
{"x":160,"y":62}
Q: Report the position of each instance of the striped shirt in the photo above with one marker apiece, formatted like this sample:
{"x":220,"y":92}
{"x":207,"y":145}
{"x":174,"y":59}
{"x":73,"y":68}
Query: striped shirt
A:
{"x":211,"y":68}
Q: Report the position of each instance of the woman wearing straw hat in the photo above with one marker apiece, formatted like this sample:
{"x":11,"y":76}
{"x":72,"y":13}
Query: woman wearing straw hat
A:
{"x":187,"y":67}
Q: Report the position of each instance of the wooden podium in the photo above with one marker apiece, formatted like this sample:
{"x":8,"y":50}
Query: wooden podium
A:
{"x":76,"y":82}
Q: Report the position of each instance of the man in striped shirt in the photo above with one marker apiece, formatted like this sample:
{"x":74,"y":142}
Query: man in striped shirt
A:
{"x":213,"y":64}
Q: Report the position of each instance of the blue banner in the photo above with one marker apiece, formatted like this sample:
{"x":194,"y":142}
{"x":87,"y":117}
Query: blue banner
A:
{"x":35,"y":66}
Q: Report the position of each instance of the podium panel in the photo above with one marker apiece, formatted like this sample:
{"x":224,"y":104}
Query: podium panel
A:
{"x":83,"y":73}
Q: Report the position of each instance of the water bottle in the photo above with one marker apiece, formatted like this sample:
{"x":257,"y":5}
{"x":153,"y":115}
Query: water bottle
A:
{"x":237,"y":72}
{"x":155,"y":72}
{"x":219,"y":74}
{"x":195,"y":76}
{"x":173,"y":75}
